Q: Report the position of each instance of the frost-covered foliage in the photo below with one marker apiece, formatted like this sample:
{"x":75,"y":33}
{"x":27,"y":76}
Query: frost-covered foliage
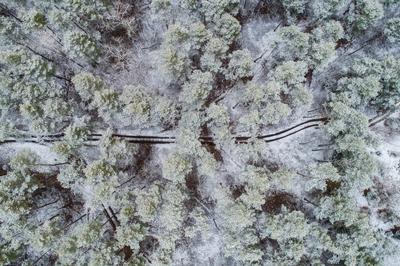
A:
{"x":199,"y":132}
{"x":177,"y":167}
{"x":81,"y":45}
{"x":196,"y":90}
{"x":392,"y":29}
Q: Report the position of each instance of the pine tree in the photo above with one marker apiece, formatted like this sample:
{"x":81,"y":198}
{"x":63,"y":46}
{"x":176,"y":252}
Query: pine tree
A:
{"x":197,"y":89}
{"x":137,"y":103}
{"x":240,"y":65}
{"x":177,"y":167}
{"x":292,"y":43}
{"x":81,"y":45}
{"x":392,"y":30}
{"x":366,"y":13}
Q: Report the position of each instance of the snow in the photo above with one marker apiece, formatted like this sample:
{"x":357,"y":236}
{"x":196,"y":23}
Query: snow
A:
{"x":257,"y":36}
{"x":387,"y":154}
{"x":297,"y":152}
{"x":45,"y":153}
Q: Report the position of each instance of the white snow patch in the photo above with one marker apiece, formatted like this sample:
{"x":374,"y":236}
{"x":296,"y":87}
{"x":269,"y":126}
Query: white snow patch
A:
{"x":46,"y":155}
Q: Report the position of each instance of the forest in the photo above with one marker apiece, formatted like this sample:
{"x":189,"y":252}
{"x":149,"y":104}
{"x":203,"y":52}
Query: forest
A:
{"x":200,"y":132}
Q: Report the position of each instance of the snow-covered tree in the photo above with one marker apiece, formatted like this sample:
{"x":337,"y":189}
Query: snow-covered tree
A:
{"x":23,"y":161}
{"x":357,"y":91}
{"x":240,"y":65}
{"x":320,"y":175}
{"x":214,"y":53}
{"x":46,"y":236}
{"x":175,"y":62}
{"x":116,"y":151}
{"x":292,"y":43}
{"x":130,"y":235}
{"x":218,"y":117}
{"x":81,"y":45}
{"x":392,"y":29}
{"x":196,"y":90}
{"x":101,"y":180}
{"x":294,"y":8}
{"x":227,"y":27}
{"x":137,"y":104}
{"x":323,"y":9}
{"x":176,"y":167}
{"x":147,"y":202}
{"x":86,"y":84}
{"x":366,"y":12}
{"x":166,"y":112}
{"x":35,"y":19}
{"x":212,"y":9}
